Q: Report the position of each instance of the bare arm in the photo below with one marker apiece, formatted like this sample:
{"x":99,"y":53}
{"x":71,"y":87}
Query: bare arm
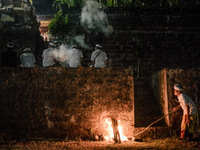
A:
{"x":176,"y":108}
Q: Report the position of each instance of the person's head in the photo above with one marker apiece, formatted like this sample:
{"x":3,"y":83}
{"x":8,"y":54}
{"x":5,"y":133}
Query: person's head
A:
{"x":57,"y":43}
{"x":27,"y":50}
{"x":98,"y":46}
{"x":74,"y":47}
{"x":10,"y":45}
{"x":51,"y":44}
{"x":177,"y":89}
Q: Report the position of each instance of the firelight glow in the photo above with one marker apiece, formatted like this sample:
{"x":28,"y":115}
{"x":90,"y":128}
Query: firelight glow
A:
{"x":110,"y":135}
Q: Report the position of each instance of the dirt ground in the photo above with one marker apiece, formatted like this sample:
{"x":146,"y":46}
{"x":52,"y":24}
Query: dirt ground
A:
{"x":144,"y":144}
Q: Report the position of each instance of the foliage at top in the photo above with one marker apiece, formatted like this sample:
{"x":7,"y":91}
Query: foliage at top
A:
{"x":130,"y":3}
{"x":59,"y":26}
{"x":70,"y":3}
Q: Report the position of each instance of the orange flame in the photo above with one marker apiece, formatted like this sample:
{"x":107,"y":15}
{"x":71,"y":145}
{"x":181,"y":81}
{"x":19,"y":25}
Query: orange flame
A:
{"x":110,"y":135}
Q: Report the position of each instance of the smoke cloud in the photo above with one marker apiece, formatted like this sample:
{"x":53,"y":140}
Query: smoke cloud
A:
{"x":81,"y":41}
{"x":62,"y":54}
{"x":94,"y":18}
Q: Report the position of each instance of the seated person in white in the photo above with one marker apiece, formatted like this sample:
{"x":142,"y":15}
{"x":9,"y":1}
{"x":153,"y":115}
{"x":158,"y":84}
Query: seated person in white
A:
{"x":27,"y":58}
{"x":99,"y":58}
{"x":48,"y":57}
{"x":75,"y":57}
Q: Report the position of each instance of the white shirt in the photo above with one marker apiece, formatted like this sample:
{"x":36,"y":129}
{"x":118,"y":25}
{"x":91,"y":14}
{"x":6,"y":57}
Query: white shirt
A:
{"x":48,"y":57}
{"x":186,"y":100}
{"x":100,"y":59}
{"x":27,"y":59}
{"x":74,"y":58}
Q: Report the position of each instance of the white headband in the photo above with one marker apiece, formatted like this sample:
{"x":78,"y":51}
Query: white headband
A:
{"x":177,"y":87}
{"x":27,"y":50}
{"x":99,"y":46}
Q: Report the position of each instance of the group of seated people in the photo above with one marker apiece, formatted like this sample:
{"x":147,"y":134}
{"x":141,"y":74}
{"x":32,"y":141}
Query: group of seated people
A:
{"x":51,"y":57}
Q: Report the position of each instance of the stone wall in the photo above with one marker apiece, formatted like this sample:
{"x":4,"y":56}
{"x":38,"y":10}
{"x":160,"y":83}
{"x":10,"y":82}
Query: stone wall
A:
{"x":74,"y":104}
{"x":65,"y":102}
{"x":159,"y":84}
{"x":147,"y":108}
{"x":161,"y":37}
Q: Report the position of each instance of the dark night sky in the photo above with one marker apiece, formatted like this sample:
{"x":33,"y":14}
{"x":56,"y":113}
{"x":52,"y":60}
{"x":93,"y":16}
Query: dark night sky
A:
{"x":43,"y":7}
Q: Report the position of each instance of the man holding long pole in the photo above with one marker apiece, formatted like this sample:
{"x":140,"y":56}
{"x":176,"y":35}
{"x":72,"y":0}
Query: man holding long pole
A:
{"x":190,"y":112}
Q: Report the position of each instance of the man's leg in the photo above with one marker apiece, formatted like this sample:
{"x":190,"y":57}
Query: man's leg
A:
{"x":183,"y":128}
{"x":192,"y":126}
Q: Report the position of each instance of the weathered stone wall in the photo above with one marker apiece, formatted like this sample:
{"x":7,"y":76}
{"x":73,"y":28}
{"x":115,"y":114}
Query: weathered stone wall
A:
{"x":147,"y":108}
{"x":65,"y":102}
{"x":159,"y":86}
{"x":168,"y":38}
{"x":163,"y":83}
{"x":161,"y":37}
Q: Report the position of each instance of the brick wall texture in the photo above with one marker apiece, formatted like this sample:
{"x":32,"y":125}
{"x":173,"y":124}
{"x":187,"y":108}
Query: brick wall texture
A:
{"x":64,"y":103}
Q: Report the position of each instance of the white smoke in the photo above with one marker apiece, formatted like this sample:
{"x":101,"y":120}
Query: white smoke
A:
{"x":81,"y":41}
{"x":62,"y":54}
{"x":95,"y":18}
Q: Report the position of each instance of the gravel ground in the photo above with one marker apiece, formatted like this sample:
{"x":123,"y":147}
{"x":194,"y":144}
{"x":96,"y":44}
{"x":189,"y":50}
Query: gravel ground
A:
{"x":156,"y":144}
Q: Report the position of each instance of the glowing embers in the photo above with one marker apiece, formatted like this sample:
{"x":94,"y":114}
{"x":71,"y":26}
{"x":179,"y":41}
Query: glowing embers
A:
{"x":117,"y":135}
